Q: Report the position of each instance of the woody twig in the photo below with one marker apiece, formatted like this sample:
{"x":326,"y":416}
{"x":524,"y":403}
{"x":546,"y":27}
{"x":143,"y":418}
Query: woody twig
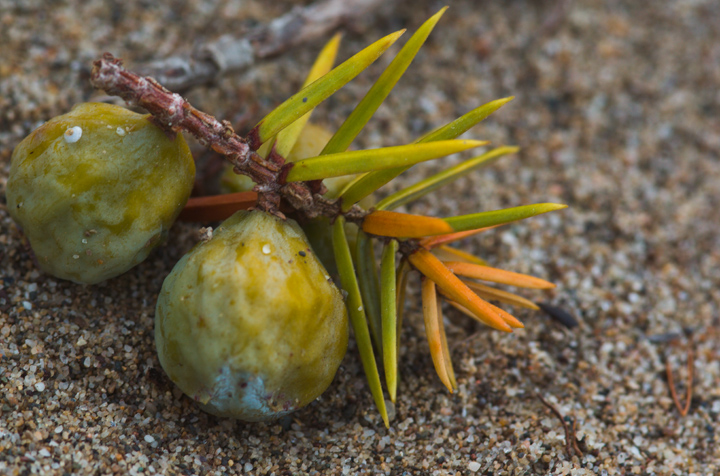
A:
{"x":230,"y":54}
{"x":173,"y":113}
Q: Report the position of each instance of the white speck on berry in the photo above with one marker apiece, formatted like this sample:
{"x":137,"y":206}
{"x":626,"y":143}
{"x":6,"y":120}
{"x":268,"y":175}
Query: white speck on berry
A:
{"x":73,"y":134}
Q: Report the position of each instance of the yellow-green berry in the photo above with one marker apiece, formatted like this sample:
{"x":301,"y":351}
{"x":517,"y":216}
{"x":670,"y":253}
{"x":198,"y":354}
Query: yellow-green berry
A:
{"x":95,"y":189}
{"x":249,"y":323}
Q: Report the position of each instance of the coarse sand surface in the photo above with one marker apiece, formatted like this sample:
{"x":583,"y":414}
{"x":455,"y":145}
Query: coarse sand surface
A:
{"x":617,"y":113}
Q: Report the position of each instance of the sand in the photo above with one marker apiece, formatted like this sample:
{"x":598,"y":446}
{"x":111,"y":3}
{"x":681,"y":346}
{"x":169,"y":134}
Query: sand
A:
{"x":617,"y":113}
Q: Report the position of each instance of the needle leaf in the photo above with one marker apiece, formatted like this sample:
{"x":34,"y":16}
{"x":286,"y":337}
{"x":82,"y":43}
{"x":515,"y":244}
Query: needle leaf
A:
{"x":372,"y":181}
{"x":315,"y":93}
{"x":287,"y":137}
{"x":367,"y":275}
{"x":448,"y":253}
{"x":438,"y":180}
{"x":496,"y":275}
{"x":455,"y":289}
{"x":361,"y":161}
{"x":401,"y":290}
{"x":380,"y":90}
{"x":357,"y":315}
{"x":463,"y":123}
{"x":499,"y":217}
{"x":446,"y":350}
{"x":432,"y":318}
{"x":490,"y":293}
{"x":388,"y":308}
{"x":403,"y":225}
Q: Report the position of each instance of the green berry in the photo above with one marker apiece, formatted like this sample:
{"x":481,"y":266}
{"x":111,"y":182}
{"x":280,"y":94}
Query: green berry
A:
{"x":249,"y":323}
{"x":96,"y":189}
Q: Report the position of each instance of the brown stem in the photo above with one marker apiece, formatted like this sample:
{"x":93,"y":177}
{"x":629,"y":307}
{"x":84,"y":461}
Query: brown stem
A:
{"x":570,"y":436}
{"x":683,"y":409}
{"x":174,"y":113}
